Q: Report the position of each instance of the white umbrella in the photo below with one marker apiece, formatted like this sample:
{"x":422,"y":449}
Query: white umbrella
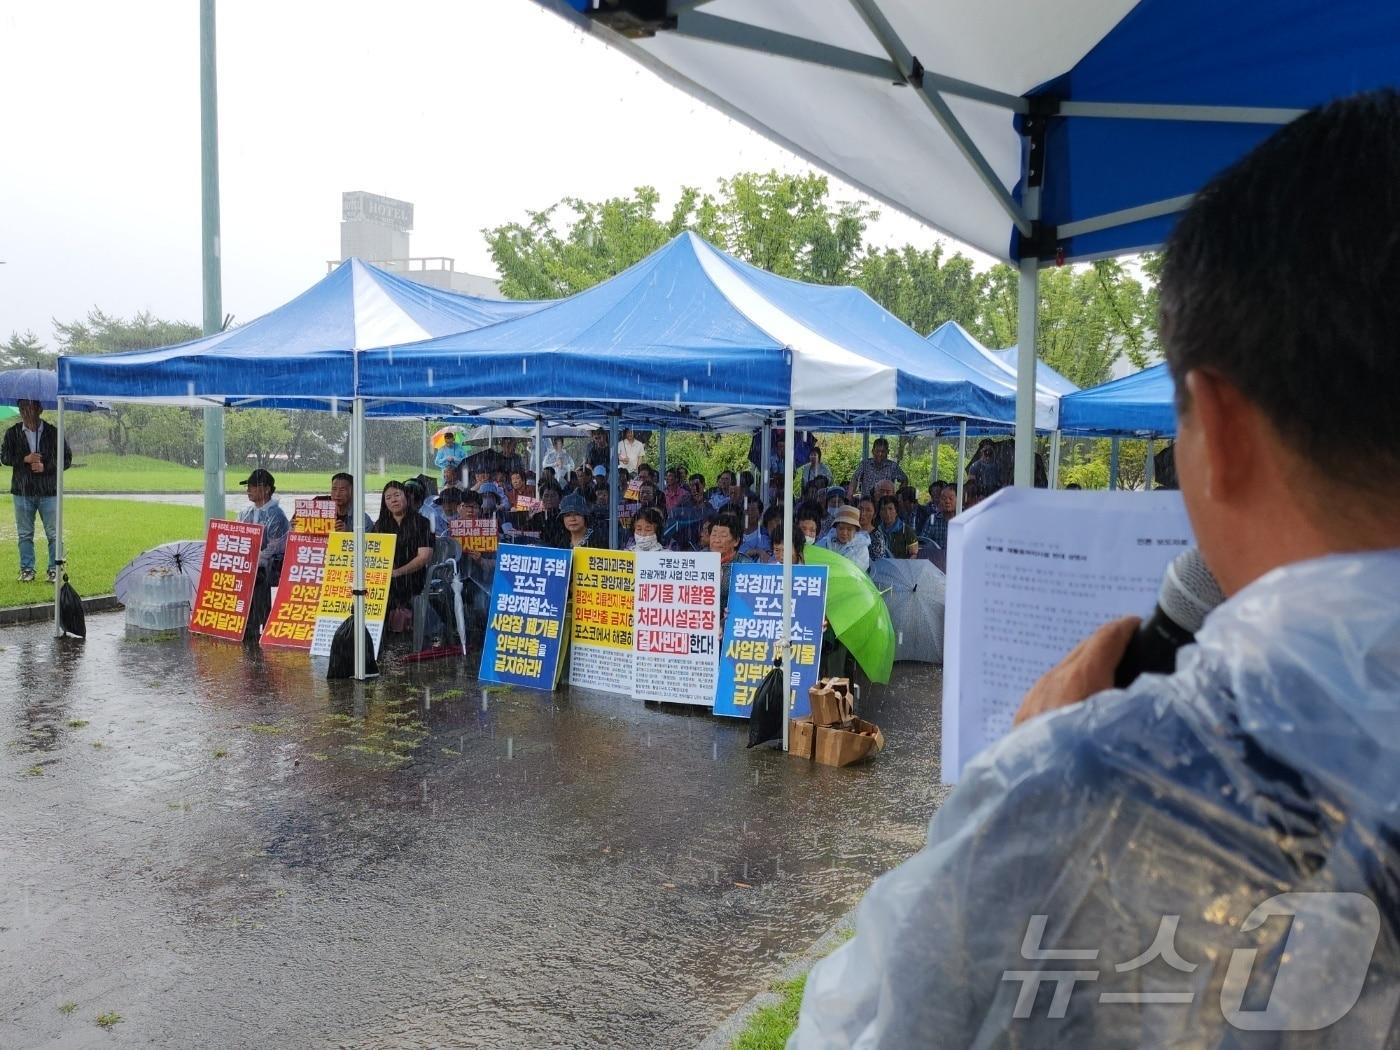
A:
{"x":183,"y":556}
{"x":457,"y":608}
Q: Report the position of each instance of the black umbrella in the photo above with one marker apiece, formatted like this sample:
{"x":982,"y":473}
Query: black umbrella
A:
{"x":70,"y":611}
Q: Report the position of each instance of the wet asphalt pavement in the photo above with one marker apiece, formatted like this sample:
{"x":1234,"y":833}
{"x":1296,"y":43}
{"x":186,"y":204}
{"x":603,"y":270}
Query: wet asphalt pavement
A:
{"x":228,"y":851}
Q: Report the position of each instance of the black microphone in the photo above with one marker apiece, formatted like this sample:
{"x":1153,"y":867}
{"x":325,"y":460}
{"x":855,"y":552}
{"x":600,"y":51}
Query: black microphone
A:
{"x":1188,"y":593}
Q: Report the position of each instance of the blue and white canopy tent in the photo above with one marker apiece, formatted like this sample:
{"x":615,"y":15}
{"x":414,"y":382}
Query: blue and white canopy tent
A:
{"x":955,"y":341}
{"x":306,"y":349}
{"x":304,"y":354}
{"x":1139,"y":405}
{"x":1035,"y":132}
{"x":1046,"y":378}
{"x":692,"y":326}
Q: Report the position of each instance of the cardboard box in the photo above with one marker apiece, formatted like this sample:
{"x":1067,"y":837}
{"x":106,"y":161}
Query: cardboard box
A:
{"x":802,"y":738}
{"x":831,"y":702}
{"x":843,"y":747}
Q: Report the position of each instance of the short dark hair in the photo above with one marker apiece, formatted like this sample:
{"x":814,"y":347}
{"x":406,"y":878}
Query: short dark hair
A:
{"x":550,"y":485}
{"x":880,"y":441}
{"x":651,"y":514}
{"x":342,"y":476}
{"x":892,"y":501}
{"x":809,"y":511}
{"x":729,"y":520}
{"x":1282,"y":278}
{"x":908,"y":493}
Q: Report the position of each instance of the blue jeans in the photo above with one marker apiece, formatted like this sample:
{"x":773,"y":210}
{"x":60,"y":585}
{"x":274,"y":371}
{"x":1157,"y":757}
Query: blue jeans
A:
{"x":25,"y":509}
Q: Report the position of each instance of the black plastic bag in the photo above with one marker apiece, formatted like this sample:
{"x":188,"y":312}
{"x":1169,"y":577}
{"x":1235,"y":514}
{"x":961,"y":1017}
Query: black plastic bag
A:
{"x":342,"y":661}
{"x":769,"y":708}
{"x":259,"y":608}
{"x":70,"y":610}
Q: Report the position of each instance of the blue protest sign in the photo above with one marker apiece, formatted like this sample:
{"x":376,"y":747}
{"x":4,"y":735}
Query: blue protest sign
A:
{"x":525,"y":629}
{"x":751,"y":630}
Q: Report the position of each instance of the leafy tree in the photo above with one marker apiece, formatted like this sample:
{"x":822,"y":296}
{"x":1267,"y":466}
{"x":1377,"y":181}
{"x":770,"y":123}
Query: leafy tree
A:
{"x":782,"y":223}
{"x":923,"y":289}
{"x":1089,"y":317}
{"x":23,"y":350}
{"x":257,"y":434}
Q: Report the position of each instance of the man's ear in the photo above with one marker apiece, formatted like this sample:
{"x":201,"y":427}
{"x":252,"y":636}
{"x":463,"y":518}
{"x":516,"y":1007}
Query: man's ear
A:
{"x":1224,"y":427}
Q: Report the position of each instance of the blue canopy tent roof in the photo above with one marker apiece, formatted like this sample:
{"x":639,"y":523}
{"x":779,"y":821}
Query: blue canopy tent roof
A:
{"x":954,"y":340}
{"x":692,"y":326}
{"x":305,"y":349}
{"x":1139,"y":405}
{"x":1045,"y":376}
{"x":1033,"y":131}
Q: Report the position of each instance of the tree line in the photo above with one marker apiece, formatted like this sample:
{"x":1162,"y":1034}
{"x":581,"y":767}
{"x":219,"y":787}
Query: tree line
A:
{"x":791,"y":225}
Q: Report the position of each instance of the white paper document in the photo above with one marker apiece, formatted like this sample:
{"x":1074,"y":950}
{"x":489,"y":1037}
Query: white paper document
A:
{"x":1030,"y":574}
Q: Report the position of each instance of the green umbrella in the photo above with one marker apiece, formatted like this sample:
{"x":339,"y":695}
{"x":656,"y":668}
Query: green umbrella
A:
{"x":857,"y":613}
{"x":7,"y":413}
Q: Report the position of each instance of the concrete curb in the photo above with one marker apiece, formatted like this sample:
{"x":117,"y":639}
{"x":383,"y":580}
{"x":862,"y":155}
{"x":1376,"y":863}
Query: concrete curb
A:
{"x":723,"y":1036}
{"x":18,"y":614}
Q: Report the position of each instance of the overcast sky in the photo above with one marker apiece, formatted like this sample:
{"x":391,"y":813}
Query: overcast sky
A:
{"x":474,"y":110}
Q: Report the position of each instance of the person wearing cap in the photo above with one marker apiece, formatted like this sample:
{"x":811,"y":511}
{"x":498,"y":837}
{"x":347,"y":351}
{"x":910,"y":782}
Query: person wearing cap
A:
{"x":263,"y":509}
{"x":450,"y":455}
{"x":577,"y":533}
{"x":846,"y":538}
{"x":449,"y":500}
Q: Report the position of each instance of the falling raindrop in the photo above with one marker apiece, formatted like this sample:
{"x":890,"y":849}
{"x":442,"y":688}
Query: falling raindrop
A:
{"x":524,"y":366}
{"x":430,"y":377}
{"x":510,"y":747}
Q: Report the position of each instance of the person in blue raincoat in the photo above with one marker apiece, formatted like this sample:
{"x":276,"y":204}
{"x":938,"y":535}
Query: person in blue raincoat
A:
{"x":1208,"y":858}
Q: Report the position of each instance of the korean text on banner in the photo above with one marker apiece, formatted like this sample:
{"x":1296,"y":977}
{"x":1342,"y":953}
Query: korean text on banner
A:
{"x":231,"y":551}
{"x":314,"y":517}
{"x":676,"y":627}
{"x":476,"y":535}
{"x":604,"y":582}
{"x":525,"y":629}
{"x":751,"y":629}
{"x":292,"y":621}
{"x":337,"y":601}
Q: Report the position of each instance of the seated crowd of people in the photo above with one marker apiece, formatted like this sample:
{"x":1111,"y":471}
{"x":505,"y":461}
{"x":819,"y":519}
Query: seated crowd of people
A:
{"x":875,"y":515}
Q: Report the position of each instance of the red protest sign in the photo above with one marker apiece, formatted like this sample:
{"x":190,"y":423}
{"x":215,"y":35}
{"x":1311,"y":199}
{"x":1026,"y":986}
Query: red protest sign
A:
{"x":292,"y":621}
{"x":231,"y":551}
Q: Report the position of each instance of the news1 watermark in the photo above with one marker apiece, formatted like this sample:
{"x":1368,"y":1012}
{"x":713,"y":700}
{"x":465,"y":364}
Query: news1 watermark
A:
{"x":1317,"y":973}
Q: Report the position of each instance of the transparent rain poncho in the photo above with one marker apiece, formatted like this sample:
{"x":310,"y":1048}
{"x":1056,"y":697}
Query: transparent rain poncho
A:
{"x":1208,"y":859}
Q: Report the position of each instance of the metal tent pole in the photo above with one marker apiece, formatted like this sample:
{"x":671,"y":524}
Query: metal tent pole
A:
{"x":539,"y":451}
{"x":357,"y":511}
{"x":213,"y":287}
{"x":865,"y":444}
{"x":1055,"y":460}
{"x":962,"y":460}
{"x":613,"y":504}
{"x":60,"y":555}
{"x":789,"y":453}
{"x":1113,"y":465}
{"x":1027,"y":308}
{"x":933,"y":470}
{"x":425,"y":446}
{"x":765,"y":453}
{"x":1149,"y":469}
{"x":661,"y":453}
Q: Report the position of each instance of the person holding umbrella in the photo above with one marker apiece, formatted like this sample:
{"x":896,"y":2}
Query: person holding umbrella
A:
{"x":30,"y":446}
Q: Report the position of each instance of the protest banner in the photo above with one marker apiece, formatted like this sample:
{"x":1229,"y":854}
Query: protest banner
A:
{"x":527,"y":504}
{"x":314,"y":517}
{"x":337,"y":602}
{"x":601,"y":635}
{"x":676,"y":627}
{"x":226,"y":579}
{"x":292,"y":621}
{"x":476,"y":535}
{"x":525,"y":628}
{"x":752,"y":627}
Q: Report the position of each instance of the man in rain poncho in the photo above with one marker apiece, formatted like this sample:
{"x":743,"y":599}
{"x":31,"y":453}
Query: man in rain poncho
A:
{"x":1211,"y":858}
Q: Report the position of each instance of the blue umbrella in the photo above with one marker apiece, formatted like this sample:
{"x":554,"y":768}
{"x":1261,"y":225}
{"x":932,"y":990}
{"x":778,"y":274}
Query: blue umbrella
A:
{"x":38,"y":384}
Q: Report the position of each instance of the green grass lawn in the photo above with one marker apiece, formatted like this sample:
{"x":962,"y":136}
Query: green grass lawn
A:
{"x":104,"y":472}
{"x":769,"y":1028}
{"x":102,"y":535}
